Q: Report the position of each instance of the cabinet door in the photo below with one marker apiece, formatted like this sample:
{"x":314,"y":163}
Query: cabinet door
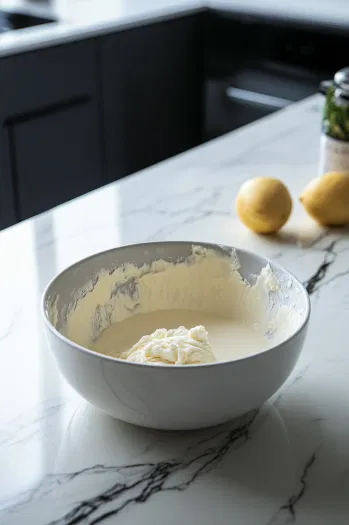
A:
{"x":51,"y":143}
{"x":8,"y":215}
{"x":152,"y":82}
{"x":56,"y":156}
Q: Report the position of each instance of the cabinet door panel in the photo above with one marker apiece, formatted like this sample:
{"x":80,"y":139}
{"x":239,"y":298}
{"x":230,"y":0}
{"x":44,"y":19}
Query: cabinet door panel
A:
{"x":57,"y":156}
{"x":162,"y":92}
{"x":8,"y":214}
{"x":152,"y":82}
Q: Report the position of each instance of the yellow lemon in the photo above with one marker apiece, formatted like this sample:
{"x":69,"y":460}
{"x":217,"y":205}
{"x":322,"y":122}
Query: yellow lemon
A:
{"x":326,"y":199}
{"x":264,"y":204}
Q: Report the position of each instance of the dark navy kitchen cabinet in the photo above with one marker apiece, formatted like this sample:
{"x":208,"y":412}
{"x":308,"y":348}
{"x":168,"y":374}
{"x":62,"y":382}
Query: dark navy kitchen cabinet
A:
{"x":76,"y":116}
{"x":51,"y":136}
{"x":7,"y":196}
{"x":152,"y":93}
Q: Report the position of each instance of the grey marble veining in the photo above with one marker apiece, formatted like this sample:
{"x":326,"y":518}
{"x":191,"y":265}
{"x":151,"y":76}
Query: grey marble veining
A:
{"x":62,"y":462}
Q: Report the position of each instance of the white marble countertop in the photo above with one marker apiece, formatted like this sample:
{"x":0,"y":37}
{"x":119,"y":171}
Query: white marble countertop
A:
{"x":334,"y":13}
{"x":78,"y":19}
{"x":63,"y":463}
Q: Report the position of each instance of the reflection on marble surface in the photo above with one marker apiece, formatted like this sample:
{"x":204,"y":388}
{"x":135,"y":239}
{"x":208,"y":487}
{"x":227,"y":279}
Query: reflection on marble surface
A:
{"x":64,"y":463}
{"x":127,"y":466}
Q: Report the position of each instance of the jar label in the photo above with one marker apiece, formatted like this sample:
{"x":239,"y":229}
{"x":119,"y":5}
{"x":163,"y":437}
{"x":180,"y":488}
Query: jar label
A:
{"x":334,"y":155}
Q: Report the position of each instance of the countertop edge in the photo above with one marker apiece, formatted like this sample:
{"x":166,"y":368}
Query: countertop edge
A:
{"x":61,"y":32}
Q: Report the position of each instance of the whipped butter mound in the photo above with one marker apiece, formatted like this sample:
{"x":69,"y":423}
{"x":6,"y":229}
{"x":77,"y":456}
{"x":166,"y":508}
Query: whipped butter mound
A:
{"x":178,"y":346}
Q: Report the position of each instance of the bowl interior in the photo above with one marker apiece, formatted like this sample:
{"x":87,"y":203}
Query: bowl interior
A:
{"x":285,"y":307}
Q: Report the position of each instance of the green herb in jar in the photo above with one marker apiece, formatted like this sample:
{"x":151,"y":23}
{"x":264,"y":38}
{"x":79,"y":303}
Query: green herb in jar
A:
{"x":335,"y":122}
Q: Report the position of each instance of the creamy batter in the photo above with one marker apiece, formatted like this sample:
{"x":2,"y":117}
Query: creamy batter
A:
{"x":118,"y":306}
{"x":228,"y":339}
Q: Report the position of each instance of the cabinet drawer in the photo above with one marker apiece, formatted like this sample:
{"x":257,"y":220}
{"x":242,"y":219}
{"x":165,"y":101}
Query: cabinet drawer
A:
{"x":46,"y":77}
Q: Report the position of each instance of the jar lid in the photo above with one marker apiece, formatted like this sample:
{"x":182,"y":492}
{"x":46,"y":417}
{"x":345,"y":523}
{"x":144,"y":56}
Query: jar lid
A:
{"x":341,"y":79}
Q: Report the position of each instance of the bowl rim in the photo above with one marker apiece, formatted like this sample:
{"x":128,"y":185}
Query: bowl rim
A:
{"x":162,"y":366}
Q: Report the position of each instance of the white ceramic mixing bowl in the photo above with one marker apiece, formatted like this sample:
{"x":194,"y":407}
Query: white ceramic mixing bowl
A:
{"x":170,"y":397}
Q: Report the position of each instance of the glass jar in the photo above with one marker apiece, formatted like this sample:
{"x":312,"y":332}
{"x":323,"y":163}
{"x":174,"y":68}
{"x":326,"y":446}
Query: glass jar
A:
{"x":334,"y":145}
